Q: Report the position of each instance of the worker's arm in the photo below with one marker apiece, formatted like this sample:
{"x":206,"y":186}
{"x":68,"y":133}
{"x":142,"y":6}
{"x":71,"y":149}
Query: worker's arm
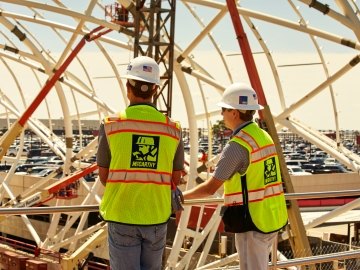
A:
{"x":103,"y":175}
{"x":103,"y":155}
{"x":176,"y":177}
{"x":178,"y":164}
{"x":205,"y":189}
{"x":234,"y":158}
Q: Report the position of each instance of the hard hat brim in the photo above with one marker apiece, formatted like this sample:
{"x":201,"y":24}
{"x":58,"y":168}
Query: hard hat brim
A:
{"x":132,"y":77}
{"x":241,"y":107}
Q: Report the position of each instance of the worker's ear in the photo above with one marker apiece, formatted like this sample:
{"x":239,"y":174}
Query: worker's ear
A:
{"x":154,"y":89}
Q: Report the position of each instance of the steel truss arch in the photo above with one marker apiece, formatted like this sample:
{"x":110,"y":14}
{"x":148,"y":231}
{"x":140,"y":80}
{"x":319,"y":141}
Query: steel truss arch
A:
{"x":92,"y":87}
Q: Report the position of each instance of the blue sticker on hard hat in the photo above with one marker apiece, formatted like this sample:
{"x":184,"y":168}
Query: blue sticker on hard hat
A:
{"x":243,"y":100}
{"x":147,"y":68}
{"x":144,"y":151}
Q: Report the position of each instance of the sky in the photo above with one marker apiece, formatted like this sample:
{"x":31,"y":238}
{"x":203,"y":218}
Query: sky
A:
{"x":287,"y":47}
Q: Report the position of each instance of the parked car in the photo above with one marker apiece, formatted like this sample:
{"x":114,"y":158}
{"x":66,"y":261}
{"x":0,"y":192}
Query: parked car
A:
{"x":331,"y":160}
{"x":13,"y":150}
{"x":46,"y":172}
{"x":36,"y":160}
{"x":55,"y":162}
{"x":310,"y":167}
{"x":24,"y":168}
{"x":37,"y":169}
{"x":91,"y":177}
{"x":317,"y":160}
{"x":52,"y":158}
{"x":296,"y":162}
{"x":296,"y":170}
{"x":5,"y":167}
{"x":330,"y":168}
{"x":294,"y":156}
{"x":34,"y":152}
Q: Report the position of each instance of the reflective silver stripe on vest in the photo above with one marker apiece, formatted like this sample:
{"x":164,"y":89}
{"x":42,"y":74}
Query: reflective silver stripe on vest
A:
{"x":233,"y":199}
{"x":159,"y":178}
{"x":257,"y":153}
{"x":129,"y":125}
{"x":262,"y":153}
{"x":255,"y":195}
{"x":247,"y":138}
{"x":268,"y":191}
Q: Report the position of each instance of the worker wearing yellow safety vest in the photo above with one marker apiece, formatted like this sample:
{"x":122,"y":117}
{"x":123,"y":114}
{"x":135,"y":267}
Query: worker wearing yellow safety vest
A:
{"x":254,"y":203}
{"x":140,"y":158}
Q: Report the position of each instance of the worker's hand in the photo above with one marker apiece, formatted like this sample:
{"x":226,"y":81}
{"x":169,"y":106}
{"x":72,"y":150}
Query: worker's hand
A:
{"x":177,"y":199}
{"x":180,"y":195}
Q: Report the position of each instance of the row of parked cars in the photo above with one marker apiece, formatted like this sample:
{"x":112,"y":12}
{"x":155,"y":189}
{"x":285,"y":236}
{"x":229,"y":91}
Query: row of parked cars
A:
{"x":40,"y":166}
{"x":304,"y":167}
{"x":37,"y":166}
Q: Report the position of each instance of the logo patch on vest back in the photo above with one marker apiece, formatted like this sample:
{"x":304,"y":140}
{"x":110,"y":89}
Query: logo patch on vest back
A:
{"x":144,"y":151}
{"x":270,"y":172}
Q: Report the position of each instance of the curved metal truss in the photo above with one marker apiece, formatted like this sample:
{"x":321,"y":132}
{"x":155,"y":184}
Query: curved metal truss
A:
{"x":306,"y":54}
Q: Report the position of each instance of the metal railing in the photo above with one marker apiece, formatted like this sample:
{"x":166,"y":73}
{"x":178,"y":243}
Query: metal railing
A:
{"x":95,"y":208}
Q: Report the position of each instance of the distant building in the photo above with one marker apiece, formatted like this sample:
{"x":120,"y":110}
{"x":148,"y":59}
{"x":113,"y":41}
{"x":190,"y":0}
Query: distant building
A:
{"x":89,"y":127}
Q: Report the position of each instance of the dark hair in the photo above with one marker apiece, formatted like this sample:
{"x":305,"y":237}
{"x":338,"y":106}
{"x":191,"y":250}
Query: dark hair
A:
{"x":246,"y":115}
{"x":142,"y":89}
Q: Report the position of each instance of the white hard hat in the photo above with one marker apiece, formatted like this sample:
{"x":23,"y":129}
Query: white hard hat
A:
{"x":240,"y":96}
{"x":143,"y":68}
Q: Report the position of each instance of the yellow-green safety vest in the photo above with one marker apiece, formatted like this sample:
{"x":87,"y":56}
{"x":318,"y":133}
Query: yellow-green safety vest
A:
{"x":143,"y":143}
{"x":265,"y":195}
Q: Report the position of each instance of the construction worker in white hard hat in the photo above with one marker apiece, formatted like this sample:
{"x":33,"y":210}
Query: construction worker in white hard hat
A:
{"x":140,"y":158}
{"x":254,"y":203}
